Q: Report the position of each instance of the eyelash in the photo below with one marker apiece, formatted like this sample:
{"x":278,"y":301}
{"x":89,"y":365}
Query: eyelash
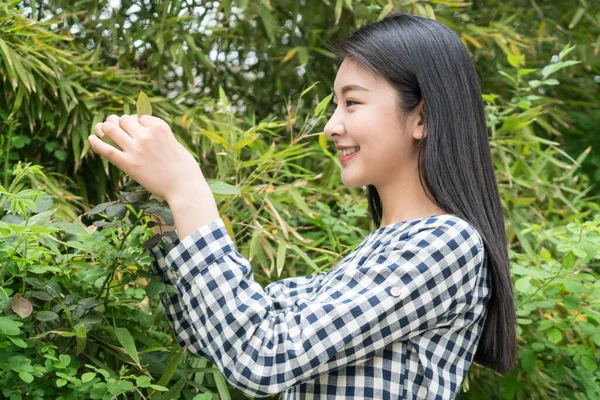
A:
{"x":334,"y":105}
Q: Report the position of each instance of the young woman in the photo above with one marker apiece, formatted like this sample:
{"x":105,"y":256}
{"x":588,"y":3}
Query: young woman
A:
{"x":405,"y":314}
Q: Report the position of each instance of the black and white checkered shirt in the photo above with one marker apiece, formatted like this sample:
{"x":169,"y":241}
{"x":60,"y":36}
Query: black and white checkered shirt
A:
{"x":399,"y":318}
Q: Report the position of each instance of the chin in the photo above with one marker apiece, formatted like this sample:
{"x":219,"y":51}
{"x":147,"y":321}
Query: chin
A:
{"x":352,"y":183}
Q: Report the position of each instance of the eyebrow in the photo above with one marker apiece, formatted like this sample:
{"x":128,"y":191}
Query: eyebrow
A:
{"x":348,"y":88}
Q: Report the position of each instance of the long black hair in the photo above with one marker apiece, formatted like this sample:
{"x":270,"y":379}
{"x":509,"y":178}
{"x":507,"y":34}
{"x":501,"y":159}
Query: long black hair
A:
{"x":424,"y":60}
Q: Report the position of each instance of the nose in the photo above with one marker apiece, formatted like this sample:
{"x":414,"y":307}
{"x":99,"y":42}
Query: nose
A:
{"x":334,"y":126}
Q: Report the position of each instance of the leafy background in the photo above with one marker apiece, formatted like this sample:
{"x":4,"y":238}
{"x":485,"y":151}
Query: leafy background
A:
{"x":245,"y":86}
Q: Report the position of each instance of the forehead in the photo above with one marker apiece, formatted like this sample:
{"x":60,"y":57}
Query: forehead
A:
{"x":351,"y":72}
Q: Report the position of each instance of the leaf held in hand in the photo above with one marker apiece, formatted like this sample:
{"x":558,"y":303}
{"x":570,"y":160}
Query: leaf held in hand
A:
{"x":142,"y":105}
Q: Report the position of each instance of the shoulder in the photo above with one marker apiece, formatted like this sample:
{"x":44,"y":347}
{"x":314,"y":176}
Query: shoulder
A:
{"x":437,"y":231}
{"x":446,"y":240}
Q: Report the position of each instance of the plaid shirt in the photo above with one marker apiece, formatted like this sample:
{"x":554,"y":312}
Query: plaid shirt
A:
{"x":400,"y":317}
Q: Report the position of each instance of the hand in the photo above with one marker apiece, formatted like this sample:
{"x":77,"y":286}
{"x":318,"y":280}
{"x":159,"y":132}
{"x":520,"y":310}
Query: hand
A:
{"x":149,"y":154}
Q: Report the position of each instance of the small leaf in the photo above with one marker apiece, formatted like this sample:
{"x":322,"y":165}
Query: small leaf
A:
{"x":18,"y":342}
{"x":135,"y":197}
{"x":89,"y":302}
{"x":21,"y":306}
{"x":223,"y":98}
{"x":142,"y":105}
{"x":88,"y":376}
{"x":554,"y":335}
{"x":126,"y":340}
{"x":220,"y":187}
{"x":588,"y":363}
{"x":152,"y":242}
{"x":577,"y":17}
{"x":116,"y":212}
{"x":550,"y":82}
{"x":281,"y":250}
{"x":26,"y":377}
{"x":143,"y":381}
{"x":514,"y":60}
{"x":46,"y":316}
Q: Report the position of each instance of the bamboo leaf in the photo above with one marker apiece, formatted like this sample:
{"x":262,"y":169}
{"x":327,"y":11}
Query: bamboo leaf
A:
{"x":126,"y":340}
{"x":269,"y":22}
{"x":281,"y":250}
{"x":577,"y":17}
{"x":142,"y":105}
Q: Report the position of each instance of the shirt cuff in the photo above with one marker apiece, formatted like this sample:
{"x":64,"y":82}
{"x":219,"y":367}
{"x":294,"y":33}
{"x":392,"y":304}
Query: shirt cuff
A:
{"x":203,"y":247}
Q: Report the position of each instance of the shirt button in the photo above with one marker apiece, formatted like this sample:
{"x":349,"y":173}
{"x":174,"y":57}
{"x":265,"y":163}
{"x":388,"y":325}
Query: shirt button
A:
{"x":395,"y":291}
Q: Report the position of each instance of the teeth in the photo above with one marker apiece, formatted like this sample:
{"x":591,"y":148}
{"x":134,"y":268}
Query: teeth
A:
{"x":345,"y":152}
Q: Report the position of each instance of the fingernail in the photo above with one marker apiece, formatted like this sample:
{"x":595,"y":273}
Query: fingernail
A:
{"x":90,"y":138}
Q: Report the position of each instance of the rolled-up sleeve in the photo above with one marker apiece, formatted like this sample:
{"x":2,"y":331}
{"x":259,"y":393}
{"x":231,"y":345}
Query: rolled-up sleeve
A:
{"x":401,"y":290}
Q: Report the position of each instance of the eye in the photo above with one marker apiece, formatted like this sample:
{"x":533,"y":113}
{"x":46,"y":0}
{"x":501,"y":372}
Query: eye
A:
{"x":350,"y":103}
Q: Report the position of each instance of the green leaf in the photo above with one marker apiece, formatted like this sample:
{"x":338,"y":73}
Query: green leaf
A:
{"x":554,"y":335}
{"x":172,"y":367}
{"x":322,"y":104}
{"x":143,"y":381}
{"x":88,"y":376}
{"x":577,"y":17}
{"x":46,"y":316}
{"x":126,"y":340}
{"x":61,"y":382}
{"x":338,"y":10}
{"x":142,"y":105}
{"x":116,"y":212}
{"x":203,"y":396}
{"x":269,"y":22}
{"x":26,"y":377}
{"x":220,"y":187}
{"x":550,"y":82}
{"x":9,"y":327}
{"x":514,"y":60}
{"x":569,"y":260}
{"x":18,"y":342}
{"x":223,"y":98}
{"x":524,"y":285}
{"x":588,"y":363}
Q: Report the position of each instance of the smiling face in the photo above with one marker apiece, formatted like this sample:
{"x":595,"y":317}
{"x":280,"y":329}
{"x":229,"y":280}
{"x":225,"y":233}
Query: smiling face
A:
{"x":368,"y":115}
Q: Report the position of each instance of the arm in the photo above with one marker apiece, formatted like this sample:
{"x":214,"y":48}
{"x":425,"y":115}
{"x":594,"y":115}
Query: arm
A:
{"x":262,"y":350}
{"x":177,"y":315}
{"x":285,"y":292}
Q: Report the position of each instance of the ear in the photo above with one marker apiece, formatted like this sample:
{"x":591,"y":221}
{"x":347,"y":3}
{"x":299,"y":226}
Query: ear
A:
{"x":419,"y":121}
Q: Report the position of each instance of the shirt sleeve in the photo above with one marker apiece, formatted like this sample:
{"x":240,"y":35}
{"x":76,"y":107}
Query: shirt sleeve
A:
{"x":285,"y":292}
{"x":412,"y":285}
{"x":176,"y":313}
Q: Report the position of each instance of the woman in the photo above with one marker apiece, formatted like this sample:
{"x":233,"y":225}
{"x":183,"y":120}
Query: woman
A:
{"x":423,"y":296}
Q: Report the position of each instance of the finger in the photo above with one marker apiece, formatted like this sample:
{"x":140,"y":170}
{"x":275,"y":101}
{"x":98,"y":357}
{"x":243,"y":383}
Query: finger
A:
{"x":118,"y":135}
{"x":98,"y":130}
{"x":113,"y":118}
{"x":149,"y":121}
{"x":115,"y":156}
{"x":130,"y":125}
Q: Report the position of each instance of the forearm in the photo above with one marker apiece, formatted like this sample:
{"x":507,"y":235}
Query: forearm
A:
{"x":193,"y":208}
